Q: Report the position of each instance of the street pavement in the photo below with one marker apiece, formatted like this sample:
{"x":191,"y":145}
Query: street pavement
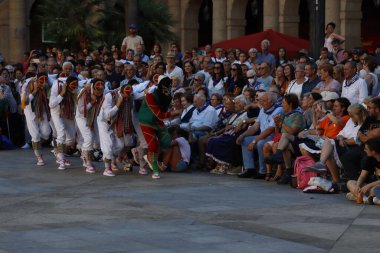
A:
{"x":46,"y":210}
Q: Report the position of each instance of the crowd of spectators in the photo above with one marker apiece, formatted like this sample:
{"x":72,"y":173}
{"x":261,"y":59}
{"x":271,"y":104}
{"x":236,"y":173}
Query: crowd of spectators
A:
{"x":246,"y":113}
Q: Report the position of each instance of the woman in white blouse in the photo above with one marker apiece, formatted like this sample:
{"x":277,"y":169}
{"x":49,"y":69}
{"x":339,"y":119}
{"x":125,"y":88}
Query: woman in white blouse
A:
{"x":295,"y":86}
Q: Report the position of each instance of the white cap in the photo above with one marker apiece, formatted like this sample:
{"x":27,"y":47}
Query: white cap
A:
{"x":251,"y":73}
{"x":161,"y":77}
{"x":329,"y":95}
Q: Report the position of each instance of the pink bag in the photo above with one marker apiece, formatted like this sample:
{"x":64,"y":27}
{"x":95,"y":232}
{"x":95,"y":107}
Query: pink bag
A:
{"x":301,"y":171}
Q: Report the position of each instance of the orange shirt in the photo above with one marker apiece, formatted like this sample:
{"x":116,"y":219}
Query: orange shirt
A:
{"x":330,"y":129}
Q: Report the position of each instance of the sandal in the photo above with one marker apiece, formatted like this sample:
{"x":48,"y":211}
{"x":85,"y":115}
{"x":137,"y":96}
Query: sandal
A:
{"x":275,"y":178}
{"x":268,"y":176}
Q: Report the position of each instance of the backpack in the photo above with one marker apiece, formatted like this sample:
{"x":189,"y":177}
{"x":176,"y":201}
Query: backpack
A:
{"x":301,"y":171}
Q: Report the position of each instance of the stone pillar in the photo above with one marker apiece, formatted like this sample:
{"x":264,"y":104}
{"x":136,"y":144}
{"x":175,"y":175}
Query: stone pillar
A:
{"x":17,"y":30}
{"x":189,"y":23}
{"x":236,"y":21}
{"x":130,"y":7}
{"x":174,"y":7}
{"x":288,"y":17}
{"x":235,"y":27}
{"x":219,"y":25}
{"x":4,"y":30}
{"x":270,"y":15}
{"x":350,"y":22}
{"x":332,"y":9}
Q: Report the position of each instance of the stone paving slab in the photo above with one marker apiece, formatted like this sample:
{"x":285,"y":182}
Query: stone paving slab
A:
{"x":46,"y":210}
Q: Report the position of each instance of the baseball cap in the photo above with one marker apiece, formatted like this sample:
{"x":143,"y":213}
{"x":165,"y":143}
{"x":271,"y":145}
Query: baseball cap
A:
{"x":132,"y":26}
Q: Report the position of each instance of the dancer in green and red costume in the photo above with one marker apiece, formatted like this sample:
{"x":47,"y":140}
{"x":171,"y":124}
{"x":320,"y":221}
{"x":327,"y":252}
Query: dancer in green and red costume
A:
{"x":153,"y":111}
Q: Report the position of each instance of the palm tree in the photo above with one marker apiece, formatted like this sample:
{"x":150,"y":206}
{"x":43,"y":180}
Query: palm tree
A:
{"x":72,"y":23}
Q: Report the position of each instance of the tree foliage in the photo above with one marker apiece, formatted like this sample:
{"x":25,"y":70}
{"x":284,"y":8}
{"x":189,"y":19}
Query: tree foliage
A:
{"x":89,"y":23}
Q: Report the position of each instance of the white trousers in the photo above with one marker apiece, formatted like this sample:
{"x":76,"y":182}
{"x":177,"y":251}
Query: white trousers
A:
{"x":37,"y":128}
{"x":65,"y":130}
{"x":86,"y":133}
{"x":110,"y":144}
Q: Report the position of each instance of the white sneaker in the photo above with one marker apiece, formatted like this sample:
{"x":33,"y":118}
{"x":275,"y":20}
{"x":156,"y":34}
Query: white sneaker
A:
{"x":156,"y":176}
{"x":40,"y":161}
{"x":62,"y":165}
{"x":108,"y":173}
{"x":143,"y":171}
{"x":26,"y":146}
{"x":66,"y":162}
{"x":90,"y":169}
{"x":135,"y":154}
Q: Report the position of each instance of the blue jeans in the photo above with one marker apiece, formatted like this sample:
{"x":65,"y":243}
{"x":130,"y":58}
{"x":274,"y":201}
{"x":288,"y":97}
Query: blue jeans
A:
{"x":249,"y":156}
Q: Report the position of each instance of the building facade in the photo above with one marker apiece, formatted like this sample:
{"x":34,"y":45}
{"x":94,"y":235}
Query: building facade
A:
{"x":228,"y":20}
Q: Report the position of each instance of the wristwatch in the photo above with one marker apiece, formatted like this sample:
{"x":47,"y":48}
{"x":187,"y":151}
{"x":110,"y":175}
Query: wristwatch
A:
{"x":254,"y":142}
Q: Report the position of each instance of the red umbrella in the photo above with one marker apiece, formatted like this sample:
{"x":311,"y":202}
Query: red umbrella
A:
{"x":290,"y":43}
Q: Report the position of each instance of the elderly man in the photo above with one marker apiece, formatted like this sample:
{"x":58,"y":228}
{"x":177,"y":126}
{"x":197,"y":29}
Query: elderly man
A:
{"x":354,"y":88}
{"x":264,"y":55}
{"x":219,"y":55}
{"x":130,"y":73}
{"x":249,"y":141}
{"x":203,"y":120}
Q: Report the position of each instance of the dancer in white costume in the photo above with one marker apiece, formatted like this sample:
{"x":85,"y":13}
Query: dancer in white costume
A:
{"x":37,"y":112}
{"x":90,"y":99}
{"x":115,"y":122}
{"x":62,"y":108}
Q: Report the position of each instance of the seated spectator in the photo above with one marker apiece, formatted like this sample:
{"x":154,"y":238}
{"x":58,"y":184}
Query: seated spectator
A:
{"x":216,"y":83}
{"x":265,"y":77}
{"x":367,"y":185}
{"x":176,"y":107}
{"x":235,"y":83}
{"x":279,"y":78}
{"x":176,"y":86}
{"x":324,"y":57}
{"x":188,"y":108}
{"x":308,"y":101}
{"x":328,"y":83}
{"x":223,"y":118}
{"x":177,"y":156}
{"x":355,"y":159}
{"x":369,"y":67}
{"x":216,"y":102}
{"x":189,"y":74}
{"x":295,"y":86}
{"x":354,"y":88}
{"x":338,"y":74}
{"x":251,"y":140}
{"x":337,"y":52}
{"x":281,"y":57}
{"x":289,"y":76}
{"x":198,"y":85}
{"x":252,"y":81}
{"x":313,"y":79}
{"x":289,"y":124}
{"x":221,"y":148}
{"x":326,"y":129}
{"x":345,"y":140}
{"x":203,"y":120}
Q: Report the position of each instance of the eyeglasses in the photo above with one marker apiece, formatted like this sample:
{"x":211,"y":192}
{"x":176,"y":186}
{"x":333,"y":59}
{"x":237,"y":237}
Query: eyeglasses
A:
{"x":196,"y":79}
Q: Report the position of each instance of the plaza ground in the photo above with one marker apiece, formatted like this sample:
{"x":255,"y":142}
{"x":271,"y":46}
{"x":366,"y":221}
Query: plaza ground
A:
{"x":46,"y":210}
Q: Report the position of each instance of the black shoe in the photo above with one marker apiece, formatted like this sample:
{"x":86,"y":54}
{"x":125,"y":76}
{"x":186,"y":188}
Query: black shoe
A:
{"x":259,"y":176}
{"x":247,"y":173}
{"x":335,"y":188}
{"x":276,"y":158}
{"x":286,"y":177}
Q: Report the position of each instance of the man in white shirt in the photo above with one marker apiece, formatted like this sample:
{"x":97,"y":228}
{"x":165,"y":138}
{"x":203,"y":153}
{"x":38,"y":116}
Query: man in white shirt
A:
{"x":132,"y":40}
{"x":204,"y":118}
{"x":354,"y":88}
{"x":171,"y":69}
{"x":219,"y":55}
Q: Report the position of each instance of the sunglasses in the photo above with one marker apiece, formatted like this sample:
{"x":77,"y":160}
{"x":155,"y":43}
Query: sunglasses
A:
{"x":233,"y":69}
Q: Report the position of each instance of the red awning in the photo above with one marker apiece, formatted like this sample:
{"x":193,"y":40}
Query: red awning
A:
{"x":290,"y":43}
